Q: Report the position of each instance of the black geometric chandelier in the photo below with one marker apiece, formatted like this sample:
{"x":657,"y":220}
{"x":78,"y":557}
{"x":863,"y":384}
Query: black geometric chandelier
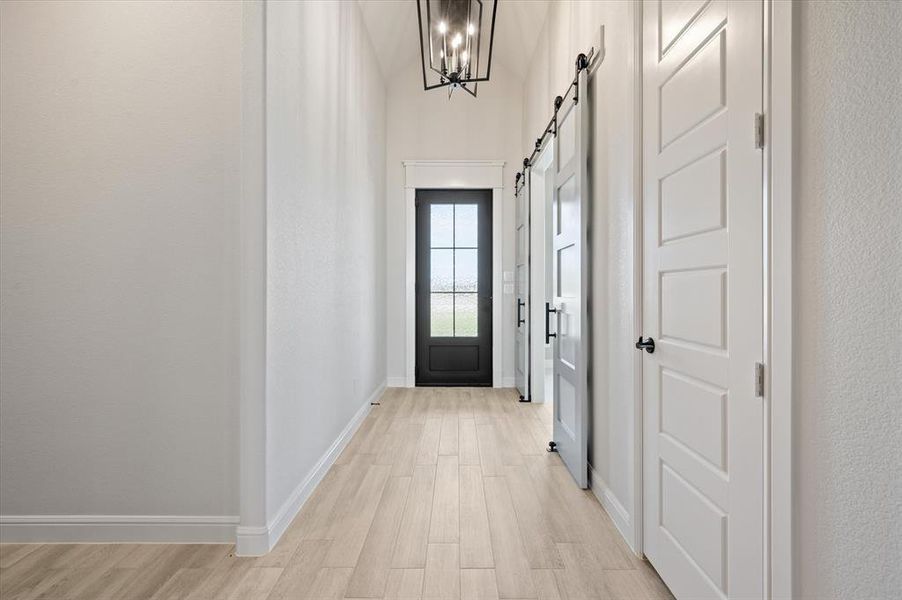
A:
{"x":456,"y":38}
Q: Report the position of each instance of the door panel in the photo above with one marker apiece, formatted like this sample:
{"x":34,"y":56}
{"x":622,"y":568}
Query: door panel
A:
{"x":702,"y":212}
{"x":454,"y":287}
{"x":570,"y":281}
{"x":522,"y":334}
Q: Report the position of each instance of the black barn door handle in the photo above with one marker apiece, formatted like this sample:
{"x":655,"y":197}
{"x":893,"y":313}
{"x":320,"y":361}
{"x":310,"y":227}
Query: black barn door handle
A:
{"x":548,"y":334}
{"x":520,"y":319}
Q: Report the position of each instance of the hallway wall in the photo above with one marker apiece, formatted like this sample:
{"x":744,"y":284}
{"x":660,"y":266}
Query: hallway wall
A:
{"x":326,"y":139}
{"x":848,"y":277}
{"x":427,"y":125}
{"x":119,"y":265}
{"x":571,"y":28}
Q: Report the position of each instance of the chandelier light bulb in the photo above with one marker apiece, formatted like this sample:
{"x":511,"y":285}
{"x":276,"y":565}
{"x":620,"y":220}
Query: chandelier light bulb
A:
{"x":456,"y":40}
{"x":471,"y":29}
{"x":442,"y":27}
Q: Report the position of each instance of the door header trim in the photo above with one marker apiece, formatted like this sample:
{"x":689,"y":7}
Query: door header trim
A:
{"x":453,"y":174}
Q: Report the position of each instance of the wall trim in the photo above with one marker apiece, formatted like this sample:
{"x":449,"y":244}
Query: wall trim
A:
{"x":615,"y":509}
{"x":453,"y":174}
{"x":137,"y":529}
{"x":397,"y":382}
{"x":638,"y":507}
{"x":257,"y":541}
{"x":252,"y":281}
{"x":778,"y":348}
{"x":456,"y":163}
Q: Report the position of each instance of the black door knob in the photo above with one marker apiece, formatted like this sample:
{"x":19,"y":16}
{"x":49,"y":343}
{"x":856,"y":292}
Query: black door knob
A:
{"x":648,"y":345}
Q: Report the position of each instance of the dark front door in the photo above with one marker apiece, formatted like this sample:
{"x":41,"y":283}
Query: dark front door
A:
{"x":454,"y":287}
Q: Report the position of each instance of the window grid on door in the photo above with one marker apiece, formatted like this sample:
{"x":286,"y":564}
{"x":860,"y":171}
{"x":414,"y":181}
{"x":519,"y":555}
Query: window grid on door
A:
{"x":454,"y":270}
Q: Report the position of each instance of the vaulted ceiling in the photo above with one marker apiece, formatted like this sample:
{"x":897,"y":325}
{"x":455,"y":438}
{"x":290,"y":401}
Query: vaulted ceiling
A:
{"x":392,"y":25}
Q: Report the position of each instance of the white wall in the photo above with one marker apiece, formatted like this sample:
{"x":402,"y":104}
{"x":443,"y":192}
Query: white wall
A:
{"x":118,"y":254}
{"x":427,"y":125}
{"x":848,"y":267}
{"x":325,"y":108}
{"x":121,"y":178}
{"x":572,"y":27}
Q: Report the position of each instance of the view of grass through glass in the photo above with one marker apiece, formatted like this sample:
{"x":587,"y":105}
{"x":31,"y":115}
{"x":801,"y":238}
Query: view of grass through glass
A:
{"x":454,"y":270}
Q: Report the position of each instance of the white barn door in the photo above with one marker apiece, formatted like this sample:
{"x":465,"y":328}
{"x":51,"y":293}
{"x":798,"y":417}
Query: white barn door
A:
{"x":521,"y":336}
{"x":704,"y":422}
{"x":567,"y":317}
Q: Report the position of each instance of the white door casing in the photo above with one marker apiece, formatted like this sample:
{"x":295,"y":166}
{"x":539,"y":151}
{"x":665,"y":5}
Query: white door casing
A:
{"x":451,"y":174}
{"x":570,"y":281}
{"x":521,"y":333}
{"x":540,"y":192}
{"x":704,"y":426}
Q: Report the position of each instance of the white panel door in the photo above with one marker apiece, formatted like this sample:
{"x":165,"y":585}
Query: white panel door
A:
{"x":702,"y":300}
{"x":521,"y":337}
{"x":570,"y":281}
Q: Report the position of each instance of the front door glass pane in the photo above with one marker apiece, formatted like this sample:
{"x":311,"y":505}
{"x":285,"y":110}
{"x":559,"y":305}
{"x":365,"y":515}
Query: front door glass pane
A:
{"x":442,"y":266}
{"x":441,"y":321}
{"x":454,"y":271}
{"x":466,"y":272}
{"x":466,"y":226}
{"x":465,"y":315}
{"x":441,"y":228}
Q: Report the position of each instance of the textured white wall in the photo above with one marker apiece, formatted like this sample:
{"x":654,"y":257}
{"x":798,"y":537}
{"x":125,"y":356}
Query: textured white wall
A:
{"x":848,"y":286}
{"x":427,"y":125}
{"x":325,"y":107}
{"x":118,"y":254}
{"x":572,"y":27}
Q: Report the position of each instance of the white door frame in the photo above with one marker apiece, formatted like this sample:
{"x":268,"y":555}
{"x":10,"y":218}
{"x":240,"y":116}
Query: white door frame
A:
{"x":540,"y":208}
{"x":778,"y":307}
{"x":453,"y":174}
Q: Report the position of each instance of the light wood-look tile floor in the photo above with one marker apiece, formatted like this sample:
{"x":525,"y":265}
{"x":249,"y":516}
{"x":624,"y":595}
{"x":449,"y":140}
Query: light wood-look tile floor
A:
{"x":442,"y":494}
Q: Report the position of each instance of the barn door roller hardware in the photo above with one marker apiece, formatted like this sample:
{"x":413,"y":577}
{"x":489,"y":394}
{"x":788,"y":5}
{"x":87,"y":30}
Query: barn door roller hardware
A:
{"x":583,"y":61}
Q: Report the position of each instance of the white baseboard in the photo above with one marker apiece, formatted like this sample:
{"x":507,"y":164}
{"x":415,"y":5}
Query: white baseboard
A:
{"x":619,"y":515}
{"x":136,"y":529}
{"x":508,"y":382}
{"x":398,"y":382}
{"x":257,"y":541}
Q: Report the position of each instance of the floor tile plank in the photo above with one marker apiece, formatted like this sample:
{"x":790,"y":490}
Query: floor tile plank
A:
{"x":468,"y":448}
{"x":512,"y":571}
{"x":445,"y":522}
{"x":371,"y":572}
{"x":404,"y":584}
{"x":351,"y":528}
{"x":478,"y":584}
{"x":441,"y":579}
{"x":448,"y":443}
{"x":301,"y":572}
{"x":475,"y":540}
{"x":413,"y":535}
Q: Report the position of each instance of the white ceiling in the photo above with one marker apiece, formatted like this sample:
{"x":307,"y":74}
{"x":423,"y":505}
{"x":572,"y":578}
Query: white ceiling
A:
{"x":392,"y":25}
